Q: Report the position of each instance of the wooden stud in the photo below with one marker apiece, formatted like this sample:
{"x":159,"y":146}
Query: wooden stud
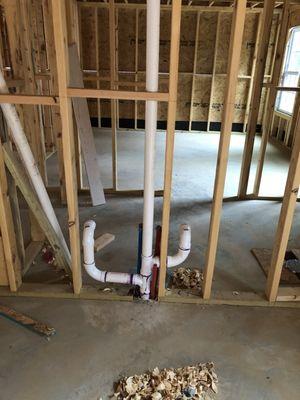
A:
{"x":97,"y":55}
{"x":256,"y":95}
{"x":213,"y":73}
{"x":194,"y":71}
{"x":136,"y":65}
{"x":173,"y":86}
{"x":285,"y":218}
{"x":12,"y":260}
{"x":271,"y":99}
{"x":56,"y":119}
{"x":112,"y":52}
{"x":227,"y":119}
{"x":259,"y":16}
{"x":61,"y":47}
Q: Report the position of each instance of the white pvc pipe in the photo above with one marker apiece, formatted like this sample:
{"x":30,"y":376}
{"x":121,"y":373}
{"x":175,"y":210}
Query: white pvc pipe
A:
{"x":24,"y":150}
{"x":90,"y":266}
{"x":183,"y":249}
{"x":152,"y":65}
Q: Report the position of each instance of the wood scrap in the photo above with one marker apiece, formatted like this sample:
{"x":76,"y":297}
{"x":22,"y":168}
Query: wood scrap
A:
{"x":85,"y":131}
{"x":27,"y":322}
{"x":187,"y":278}
{"x":103,"y":241}
{"x":263,"y":256}
{"x":190,"y":382}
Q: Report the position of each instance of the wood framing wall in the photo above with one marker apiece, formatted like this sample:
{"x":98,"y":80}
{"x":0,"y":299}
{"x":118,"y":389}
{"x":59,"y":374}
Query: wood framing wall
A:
{"x":204,"y":47}
{"x":196,"y":86}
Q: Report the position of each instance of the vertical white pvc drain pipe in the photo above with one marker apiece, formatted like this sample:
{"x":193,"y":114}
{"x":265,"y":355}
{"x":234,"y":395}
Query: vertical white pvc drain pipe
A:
{"x":152,"y":65}
{"x":24,"y":150}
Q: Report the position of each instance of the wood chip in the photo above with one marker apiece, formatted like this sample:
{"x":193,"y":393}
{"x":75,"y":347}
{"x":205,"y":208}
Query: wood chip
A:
{"x":187,"y":278}
{"x":191,"y":382}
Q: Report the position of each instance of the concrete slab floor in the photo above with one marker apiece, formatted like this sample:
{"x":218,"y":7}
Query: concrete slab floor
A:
{"x":244,"y":225}
{"x":256,"y":351}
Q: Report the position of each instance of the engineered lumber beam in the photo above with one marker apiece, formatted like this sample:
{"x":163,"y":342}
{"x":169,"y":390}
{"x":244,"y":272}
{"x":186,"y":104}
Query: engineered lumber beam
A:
{"x":256,"y":95}
{"x":62,"y":57}
{"x":227,"y":118}
{"x":286,"y":217}
{"x":169,"y":153}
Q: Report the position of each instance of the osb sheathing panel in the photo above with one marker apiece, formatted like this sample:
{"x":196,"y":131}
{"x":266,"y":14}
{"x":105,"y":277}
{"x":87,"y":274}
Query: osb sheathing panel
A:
{"x":164,"y":44}
{"x":241,"y":100}
{"x":223,"y":43}
{"x":272,"y":44}
{"x":126,"y":43}
{"x":206,"y":42}
{"x":217,"y":100}
{"x":248,"y":45}
{"x":187,"y":42}
{"x":202,"y":89}
{"x":126,"y":39}
{"x":126,"y":107}
{"x":184,"y":98}
{"x":103,"y":39}
{"x":88,"y":28}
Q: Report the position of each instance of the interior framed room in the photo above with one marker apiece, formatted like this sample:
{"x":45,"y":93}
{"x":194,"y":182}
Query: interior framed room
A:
{"x":192,"y":119}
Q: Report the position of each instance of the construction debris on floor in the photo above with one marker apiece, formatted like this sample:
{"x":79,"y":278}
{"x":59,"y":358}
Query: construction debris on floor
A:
{"x":191,"y":382}
{"x":187,"y":278}
{"x":26,"y":321}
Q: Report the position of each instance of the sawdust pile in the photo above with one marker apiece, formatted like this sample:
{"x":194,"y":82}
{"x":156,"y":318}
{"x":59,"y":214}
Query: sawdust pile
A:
{"x":192,"y":382}
{"x":187,"y":278}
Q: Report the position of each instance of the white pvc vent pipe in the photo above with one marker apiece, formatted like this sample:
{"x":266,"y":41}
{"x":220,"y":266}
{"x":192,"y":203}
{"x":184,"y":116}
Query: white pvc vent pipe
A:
{"x":152,"y":69}
{"x":183,"y":249}
{"x":121,"y":277}
{"x":90,"y":266}
{"x":144,"y":279}
{"x":24,"y":150}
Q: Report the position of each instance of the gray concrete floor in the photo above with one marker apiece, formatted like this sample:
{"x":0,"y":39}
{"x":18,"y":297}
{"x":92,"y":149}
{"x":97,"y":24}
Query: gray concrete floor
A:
{"x":244,"y":225}
{"x":256,"y":351}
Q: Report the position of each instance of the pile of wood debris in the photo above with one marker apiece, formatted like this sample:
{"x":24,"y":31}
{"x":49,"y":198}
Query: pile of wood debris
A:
{"x":187,"y":278}
{"x":192,"y":382}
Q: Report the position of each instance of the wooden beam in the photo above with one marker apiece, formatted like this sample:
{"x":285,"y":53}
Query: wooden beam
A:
{"x":12,"y":260}
{"x":256,"y":95}
{"x":61,"y":47}
{"x":272,"y":93}
{"x":285,"y":218}
{"x":227,"y":118}
{"x":116,"y":94}
{"x":169,"y":152}
{"x":29,"y":99}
